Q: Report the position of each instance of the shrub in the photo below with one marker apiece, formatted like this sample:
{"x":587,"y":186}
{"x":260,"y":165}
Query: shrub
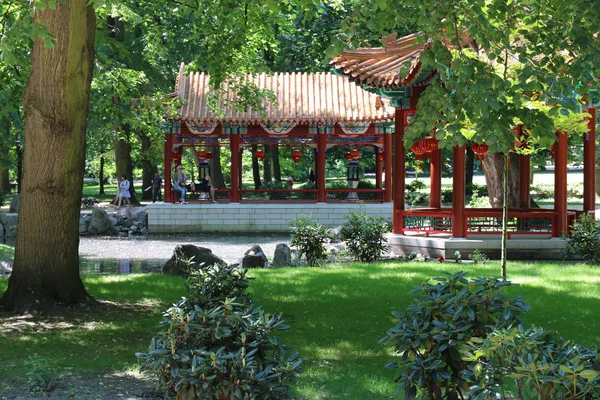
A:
{"x":542,"y":365}
{"x":216,"y":344}
{"x":309,"y":237}
{"x":444,"y":316}
{"x":478,"y":257}
{"x":584,"y":239}
{"x":3,"y":197}
{"x":416,"y":185}
{"x":41,"y":374}
{"x":364,"y":236}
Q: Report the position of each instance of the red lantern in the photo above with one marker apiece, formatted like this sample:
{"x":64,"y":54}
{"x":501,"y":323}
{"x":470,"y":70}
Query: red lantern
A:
{"x":296,"y":155}
{"x":259,"y":154}
{"x":355,"y":154}
{"x":347,"y":156}
{"x":201,"y":154}
{"x":209,"y":156}
{"x":380,"y":156}
{"x":429,"y":144}
{"x":176,"y":157}
{"x":417,"y":148}
{"x":479,"y":150}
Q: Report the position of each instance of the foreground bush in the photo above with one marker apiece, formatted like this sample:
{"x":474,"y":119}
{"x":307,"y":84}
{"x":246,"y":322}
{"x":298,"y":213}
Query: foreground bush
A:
{"x":542,"y":365}
{"x":445,"y":315}
{"x":584,"y":240}
{"x":364,"y":236}
{"x":216,"y":344}
{"x":309,"y":237}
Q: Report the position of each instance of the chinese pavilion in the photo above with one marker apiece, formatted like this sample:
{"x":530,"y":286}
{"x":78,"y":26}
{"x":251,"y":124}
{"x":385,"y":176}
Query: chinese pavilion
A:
{"x":394,"y":72}
{"x":311,"y":114}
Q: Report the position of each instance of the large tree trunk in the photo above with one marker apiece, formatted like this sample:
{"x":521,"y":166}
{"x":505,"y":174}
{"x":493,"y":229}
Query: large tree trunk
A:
{"x":19,"y":152}
{"x":255,"y":169}
{"x":276,"y":164}
{"x":267,"y":175}
{"x":493,"y":168}
{"x":46,"y":264}
{"x":123,"y":162}
{"x":469,"y":171}
{"x":217,"y":172}
{"x":147,"y":169}
{"x":101,"y":177}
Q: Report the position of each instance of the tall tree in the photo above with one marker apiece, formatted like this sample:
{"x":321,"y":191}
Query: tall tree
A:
{"x":55,"y":104}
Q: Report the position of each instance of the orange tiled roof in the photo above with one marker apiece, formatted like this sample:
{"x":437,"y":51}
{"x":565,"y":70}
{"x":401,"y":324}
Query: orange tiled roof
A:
{"x":301,"y":98}
{"x":396,"y":64}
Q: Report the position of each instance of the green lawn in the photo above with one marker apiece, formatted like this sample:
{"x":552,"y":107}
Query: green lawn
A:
{"x":337,"y":315}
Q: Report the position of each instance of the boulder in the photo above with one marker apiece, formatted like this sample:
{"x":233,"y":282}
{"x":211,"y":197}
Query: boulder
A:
{"x":282,"y":256}
{"x":9,"y":223}
{"x":335,"y":234}
{"x":83,"y":226}
{"x":5,"y":268}
{"x":254,"y":258}
{"x":201,"y":256}
{"x":113,"y":220}
{"x":140,"y":215}
{"x":100,"y":223}
{"x":128,"y":222}
{"x":14,"y":204}
{"x":125,"y":212}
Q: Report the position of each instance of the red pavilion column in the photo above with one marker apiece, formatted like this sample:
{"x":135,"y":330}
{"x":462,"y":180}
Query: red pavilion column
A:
{"x":320,"y":178}
{"x":378,"y":168}
{"x":398,"y":169}
{"x":589,"y":164}
{"x":458,"y":192}
{"x":435,"y":179}
{"x":560,"y":185}
{"x":168,"y":162}
{"x":387,"y":158}
{"x":234,"y":143}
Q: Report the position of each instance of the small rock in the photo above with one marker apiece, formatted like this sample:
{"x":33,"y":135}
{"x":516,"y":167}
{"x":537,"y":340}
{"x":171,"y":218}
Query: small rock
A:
{"x":282,"y":256}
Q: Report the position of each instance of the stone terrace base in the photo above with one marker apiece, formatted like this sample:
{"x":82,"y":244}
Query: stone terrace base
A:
{"x":523,"y":247}
{"x":250,"y":217}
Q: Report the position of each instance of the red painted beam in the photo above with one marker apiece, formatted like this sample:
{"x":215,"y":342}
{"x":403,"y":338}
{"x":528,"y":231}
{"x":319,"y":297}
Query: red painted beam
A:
{"x":435,"y":179}
{"x":387,"y":148}
{"x":234,"y":143}
{"x":320,"y":178}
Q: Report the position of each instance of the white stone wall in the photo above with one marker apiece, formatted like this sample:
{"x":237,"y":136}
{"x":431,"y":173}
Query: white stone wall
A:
{"x":250,"y":217}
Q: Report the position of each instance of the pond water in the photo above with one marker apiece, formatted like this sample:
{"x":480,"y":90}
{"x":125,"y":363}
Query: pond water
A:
{"x":147,"y":254}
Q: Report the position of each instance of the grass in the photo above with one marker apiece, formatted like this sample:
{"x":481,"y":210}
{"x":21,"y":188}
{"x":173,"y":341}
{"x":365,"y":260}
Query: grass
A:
{"x":91,"y":189}
{"x":336,"y":314}
{"x":6,"y":253}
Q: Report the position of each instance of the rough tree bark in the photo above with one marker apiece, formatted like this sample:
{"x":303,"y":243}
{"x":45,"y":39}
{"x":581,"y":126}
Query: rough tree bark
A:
{"x":267,"y":175}
{"x":255,"y":169}
{"x":276,"y":164}
{"x":123,"y":161}
{"x":101,"y":177}
{"x":46,"y":265}
{"x":147,"y":168}
{"x":493,"y":168}
{"x":216,"y":171}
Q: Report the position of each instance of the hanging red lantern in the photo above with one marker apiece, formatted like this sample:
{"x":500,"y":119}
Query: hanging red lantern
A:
{"x":429,"y":145}
{"x":355,"y":154}
{"x":201,"y":154}
{"x":209,"y":156}
{"x":296,"y":155}
{"x":347,"y":156}
{"x":479,"y":150}
{"x":380,"y":156}
{"x":259,"y":154}
{"x":417,"y":148}
{"x":176,"y":157}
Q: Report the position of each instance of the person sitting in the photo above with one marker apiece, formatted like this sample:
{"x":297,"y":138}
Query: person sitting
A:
{"x":205,"y":185}
{"x":179,"y":184}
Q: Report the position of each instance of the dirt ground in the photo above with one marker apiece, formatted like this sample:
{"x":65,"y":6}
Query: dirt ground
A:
{"x":71,"y":386}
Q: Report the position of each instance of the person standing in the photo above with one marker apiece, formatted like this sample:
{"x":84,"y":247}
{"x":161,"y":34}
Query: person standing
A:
{"x":124,"y":192}
{"x":156,"y":188}
{"x":179,"y":184}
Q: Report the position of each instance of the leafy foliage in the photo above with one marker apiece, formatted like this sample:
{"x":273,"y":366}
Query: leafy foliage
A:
{"x":217,"y":344}
{"x":543,"y":365}
{"x":364,"y":236}
{"x":584,"y":239}
{"x":309,"y":237}
{"x":478,"y":257}
{"x":40,"y":373}
{"x":445,"y":315}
